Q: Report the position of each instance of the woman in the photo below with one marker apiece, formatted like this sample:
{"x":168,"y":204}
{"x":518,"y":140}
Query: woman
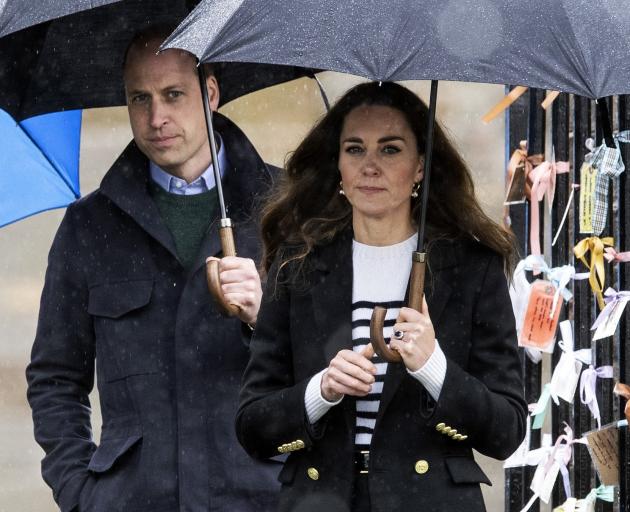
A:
{"x":362,"y":434}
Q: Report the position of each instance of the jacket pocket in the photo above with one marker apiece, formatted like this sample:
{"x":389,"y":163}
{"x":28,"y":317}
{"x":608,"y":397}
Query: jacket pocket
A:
{"x":113,"y":300}
{"x":465,"y":470}
{"x":125,"y":328}
{"x":115,"y":442}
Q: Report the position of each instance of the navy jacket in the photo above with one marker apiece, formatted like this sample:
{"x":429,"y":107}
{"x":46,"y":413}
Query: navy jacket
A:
{"x":414,"y":463}
{"x":168,"y":366}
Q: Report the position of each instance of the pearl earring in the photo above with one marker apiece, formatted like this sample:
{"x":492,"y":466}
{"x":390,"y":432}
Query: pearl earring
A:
{"x":415,"y":189}
{"x":341,"y":192}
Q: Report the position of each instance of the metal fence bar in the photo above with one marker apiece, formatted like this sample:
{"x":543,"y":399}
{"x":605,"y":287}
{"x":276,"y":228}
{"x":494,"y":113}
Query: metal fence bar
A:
{"x":560,"y":254}
{"x":623,"y":244}
{"x":583,"y":305}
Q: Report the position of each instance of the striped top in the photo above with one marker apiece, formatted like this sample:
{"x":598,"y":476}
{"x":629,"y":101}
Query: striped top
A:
{"x":380,"y":277}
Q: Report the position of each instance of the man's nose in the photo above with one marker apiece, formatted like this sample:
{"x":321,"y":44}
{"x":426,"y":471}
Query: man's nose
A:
{"x":157,"y":114}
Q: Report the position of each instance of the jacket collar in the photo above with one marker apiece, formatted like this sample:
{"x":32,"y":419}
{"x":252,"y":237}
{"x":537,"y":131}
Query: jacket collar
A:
{"x":126,"y":185}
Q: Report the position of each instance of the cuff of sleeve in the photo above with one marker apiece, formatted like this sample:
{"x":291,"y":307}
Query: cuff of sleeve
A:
{"x":316,"y":405}
{"x":433,"y":373}
{"x":68,"y":497}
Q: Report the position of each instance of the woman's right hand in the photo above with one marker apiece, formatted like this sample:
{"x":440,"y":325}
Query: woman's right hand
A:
{"x":349,"y":373}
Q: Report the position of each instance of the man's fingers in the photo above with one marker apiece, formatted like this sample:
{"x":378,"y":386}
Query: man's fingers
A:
{"x":235,"y":263}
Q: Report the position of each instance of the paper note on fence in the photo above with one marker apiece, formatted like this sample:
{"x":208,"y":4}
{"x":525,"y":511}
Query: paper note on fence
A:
{"x":603,"y":445}
{"x":609,"y":326}
{"x":539,"y":330}
{"x":587,"y":197}
{"x":565,"y":377}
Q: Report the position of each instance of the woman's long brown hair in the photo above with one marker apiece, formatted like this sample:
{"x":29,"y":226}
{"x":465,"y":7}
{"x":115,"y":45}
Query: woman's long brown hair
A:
{"x":306,"y":210}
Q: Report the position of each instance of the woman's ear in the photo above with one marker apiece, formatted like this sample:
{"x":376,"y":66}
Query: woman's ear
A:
{"x":420,"y":169}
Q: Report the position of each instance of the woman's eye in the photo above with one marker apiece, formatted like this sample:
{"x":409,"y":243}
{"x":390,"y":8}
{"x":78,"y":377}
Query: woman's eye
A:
{"x":391,"y":150}
{"x":353,"y":150}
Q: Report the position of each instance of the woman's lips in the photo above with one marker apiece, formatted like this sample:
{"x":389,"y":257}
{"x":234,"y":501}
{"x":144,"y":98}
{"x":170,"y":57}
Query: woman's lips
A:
{"x":370,"y":190}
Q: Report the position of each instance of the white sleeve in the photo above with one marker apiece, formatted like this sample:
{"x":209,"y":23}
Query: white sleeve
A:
{"x":316,"y":404}
{"x":432,"y":374}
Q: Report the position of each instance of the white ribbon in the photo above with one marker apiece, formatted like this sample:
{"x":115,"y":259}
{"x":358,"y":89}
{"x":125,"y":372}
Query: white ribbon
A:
{"x":584,"y":355}
{"x":588,"y":382}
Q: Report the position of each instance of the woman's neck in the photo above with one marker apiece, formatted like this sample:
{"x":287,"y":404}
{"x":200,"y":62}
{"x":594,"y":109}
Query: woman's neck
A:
{"x":383,"y":231}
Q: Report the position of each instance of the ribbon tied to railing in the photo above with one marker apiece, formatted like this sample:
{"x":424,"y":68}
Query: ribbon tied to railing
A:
{"x":611,"y":255}
{"x":609,"y":165}
{"x":588,"y":382}
{"x":611,"y":299}
{"x":543,"y":178}
{"x":597,"y":273}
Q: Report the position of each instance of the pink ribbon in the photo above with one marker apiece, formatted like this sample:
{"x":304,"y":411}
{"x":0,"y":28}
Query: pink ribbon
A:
{"x":588,"y":381}
{"x":611,"y":255}
{"x":543,"y":179}
{"x":562,"y":453}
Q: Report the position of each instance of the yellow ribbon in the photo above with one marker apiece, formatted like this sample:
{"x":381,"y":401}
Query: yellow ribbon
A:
{"x":597,"y":274}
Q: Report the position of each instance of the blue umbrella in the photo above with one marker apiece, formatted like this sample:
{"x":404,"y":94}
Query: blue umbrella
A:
{"x":39,"y":163}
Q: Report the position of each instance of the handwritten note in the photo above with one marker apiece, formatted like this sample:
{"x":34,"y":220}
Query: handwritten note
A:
{"x":539,"y":327}
{"x":603,"y":445}
{"x":609,"y":326}
{"x":587,"y":197}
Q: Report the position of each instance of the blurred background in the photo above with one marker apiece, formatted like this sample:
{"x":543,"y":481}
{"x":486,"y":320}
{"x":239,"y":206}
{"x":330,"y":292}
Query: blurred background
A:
{"x":275,"y":120}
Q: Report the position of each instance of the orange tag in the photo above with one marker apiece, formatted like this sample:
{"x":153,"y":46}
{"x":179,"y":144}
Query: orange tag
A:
{"x":539,"y":327}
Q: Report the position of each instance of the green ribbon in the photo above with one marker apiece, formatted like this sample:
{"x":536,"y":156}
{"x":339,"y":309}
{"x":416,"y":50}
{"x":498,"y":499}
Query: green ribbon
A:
{"x":540,"y":410}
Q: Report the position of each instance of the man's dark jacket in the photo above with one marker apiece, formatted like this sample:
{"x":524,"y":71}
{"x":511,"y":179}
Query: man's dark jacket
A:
{"x":168,"y":366}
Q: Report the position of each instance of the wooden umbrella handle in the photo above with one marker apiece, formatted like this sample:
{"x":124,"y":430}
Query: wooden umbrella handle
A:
{"x":416,"y":293}
{"x":212,"y":271}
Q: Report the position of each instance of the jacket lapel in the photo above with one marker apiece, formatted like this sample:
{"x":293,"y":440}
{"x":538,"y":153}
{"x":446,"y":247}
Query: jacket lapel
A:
{"x":442,"y":256}
{"x":126,"y":185}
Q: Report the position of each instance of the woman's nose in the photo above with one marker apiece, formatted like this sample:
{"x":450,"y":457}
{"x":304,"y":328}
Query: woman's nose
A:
{"x":370,"y":166}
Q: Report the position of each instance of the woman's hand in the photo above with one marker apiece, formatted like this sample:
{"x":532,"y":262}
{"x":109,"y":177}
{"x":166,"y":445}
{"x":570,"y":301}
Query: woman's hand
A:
{"x":349,"y":373}
{"x":418,"y":337}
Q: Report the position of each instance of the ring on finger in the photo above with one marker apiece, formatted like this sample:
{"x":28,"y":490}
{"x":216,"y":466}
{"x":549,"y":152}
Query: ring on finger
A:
{"x":398,"y":335}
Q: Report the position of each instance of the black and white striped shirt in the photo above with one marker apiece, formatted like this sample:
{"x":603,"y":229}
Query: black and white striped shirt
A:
{"x":380,"y":277}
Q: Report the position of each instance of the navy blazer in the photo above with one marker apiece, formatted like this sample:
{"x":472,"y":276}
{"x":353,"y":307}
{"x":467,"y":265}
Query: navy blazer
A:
{"x":414,"y":463}
{"x":168,"y":366}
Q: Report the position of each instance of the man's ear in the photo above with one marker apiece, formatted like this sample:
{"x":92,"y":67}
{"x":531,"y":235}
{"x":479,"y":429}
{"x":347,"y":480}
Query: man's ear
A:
{"x":214,"y":94}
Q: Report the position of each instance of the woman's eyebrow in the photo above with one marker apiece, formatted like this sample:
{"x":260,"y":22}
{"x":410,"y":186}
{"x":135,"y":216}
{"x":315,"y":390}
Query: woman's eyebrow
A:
{"x":390,"y":138}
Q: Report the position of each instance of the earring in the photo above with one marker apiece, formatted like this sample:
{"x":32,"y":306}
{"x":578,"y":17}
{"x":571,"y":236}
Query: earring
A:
{"x":341,"y":192}
{"x":415,"y":189}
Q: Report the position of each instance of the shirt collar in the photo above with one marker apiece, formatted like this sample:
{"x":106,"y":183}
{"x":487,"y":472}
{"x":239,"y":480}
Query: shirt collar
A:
{"x":203,"y":183}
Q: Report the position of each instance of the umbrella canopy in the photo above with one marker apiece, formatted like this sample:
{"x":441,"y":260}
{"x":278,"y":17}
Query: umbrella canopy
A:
{"x":18,"y":14}
{"x":39,"y":164}
{"x":575,"y":46}
{"x":76,"y":61}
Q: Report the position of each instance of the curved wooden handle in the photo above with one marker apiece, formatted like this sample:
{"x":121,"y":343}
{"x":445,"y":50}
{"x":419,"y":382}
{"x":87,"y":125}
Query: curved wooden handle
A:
{"x":416,"y":293}
{"x":212,"y":273}
{"x":376,"y":336}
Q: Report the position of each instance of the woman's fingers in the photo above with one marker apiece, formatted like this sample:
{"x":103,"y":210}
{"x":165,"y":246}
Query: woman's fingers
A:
{"x":349,"y":373}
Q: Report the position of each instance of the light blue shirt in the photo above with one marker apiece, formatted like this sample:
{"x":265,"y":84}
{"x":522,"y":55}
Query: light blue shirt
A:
{"x":203,"y":183}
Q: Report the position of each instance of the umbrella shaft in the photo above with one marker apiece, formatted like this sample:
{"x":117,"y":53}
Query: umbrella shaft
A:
{"x":428,"y":156}
{"x":216,"y":167}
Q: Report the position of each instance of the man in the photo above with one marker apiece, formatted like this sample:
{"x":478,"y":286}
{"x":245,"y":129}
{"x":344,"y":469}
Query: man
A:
{"x":126,"y":286}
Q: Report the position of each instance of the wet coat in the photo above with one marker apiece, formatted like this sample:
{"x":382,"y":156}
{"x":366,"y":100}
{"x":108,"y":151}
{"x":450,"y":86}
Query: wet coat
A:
{"x":414,"y":463}
{"x":168,"y":366}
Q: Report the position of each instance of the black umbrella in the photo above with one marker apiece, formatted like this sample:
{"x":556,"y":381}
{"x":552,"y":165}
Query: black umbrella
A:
{"x":575,"y":46}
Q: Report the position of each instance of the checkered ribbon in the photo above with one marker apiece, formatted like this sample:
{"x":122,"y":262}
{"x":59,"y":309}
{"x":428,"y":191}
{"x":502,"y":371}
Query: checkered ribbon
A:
{"x":609,"y":165}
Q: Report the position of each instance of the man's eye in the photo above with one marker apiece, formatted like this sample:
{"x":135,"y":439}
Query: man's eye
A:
{"x":174,"y":94}
{"x":139,"y":98}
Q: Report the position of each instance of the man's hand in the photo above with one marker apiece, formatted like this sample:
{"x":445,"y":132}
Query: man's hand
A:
{"x":349,"y":373}
{"x":240,"y":284}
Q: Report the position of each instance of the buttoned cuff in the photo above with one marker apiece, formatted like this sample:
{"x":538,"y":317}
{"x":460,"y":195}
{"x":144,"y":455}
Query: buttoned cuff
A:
{"x":433,"y":373}
{"x":316,"y":405}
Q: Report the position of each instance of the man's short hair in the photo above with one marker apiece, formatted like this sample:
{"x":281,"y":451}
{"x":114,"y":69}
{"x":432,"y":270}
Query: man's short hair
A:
{"x":155,"y":32}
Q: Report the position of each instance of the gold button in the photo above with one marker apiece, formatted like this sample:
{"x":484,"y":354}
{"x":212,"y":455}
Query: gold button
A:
{"x":440,"y":426}
{"x":281,"y":449}
{"x":293,"y":446}
{"x":422,"y":466}
{"x":457,"y":437}
{"x":446,"y":430}
{"x":453,"y":432}
{"x":463,"y":438}
{"x":299,"y":444}
{"x":312,"y":473}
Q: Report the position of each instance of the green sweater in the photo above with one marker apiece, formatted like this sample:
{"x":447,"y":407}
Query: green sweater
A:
{"x":187,"y":218}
